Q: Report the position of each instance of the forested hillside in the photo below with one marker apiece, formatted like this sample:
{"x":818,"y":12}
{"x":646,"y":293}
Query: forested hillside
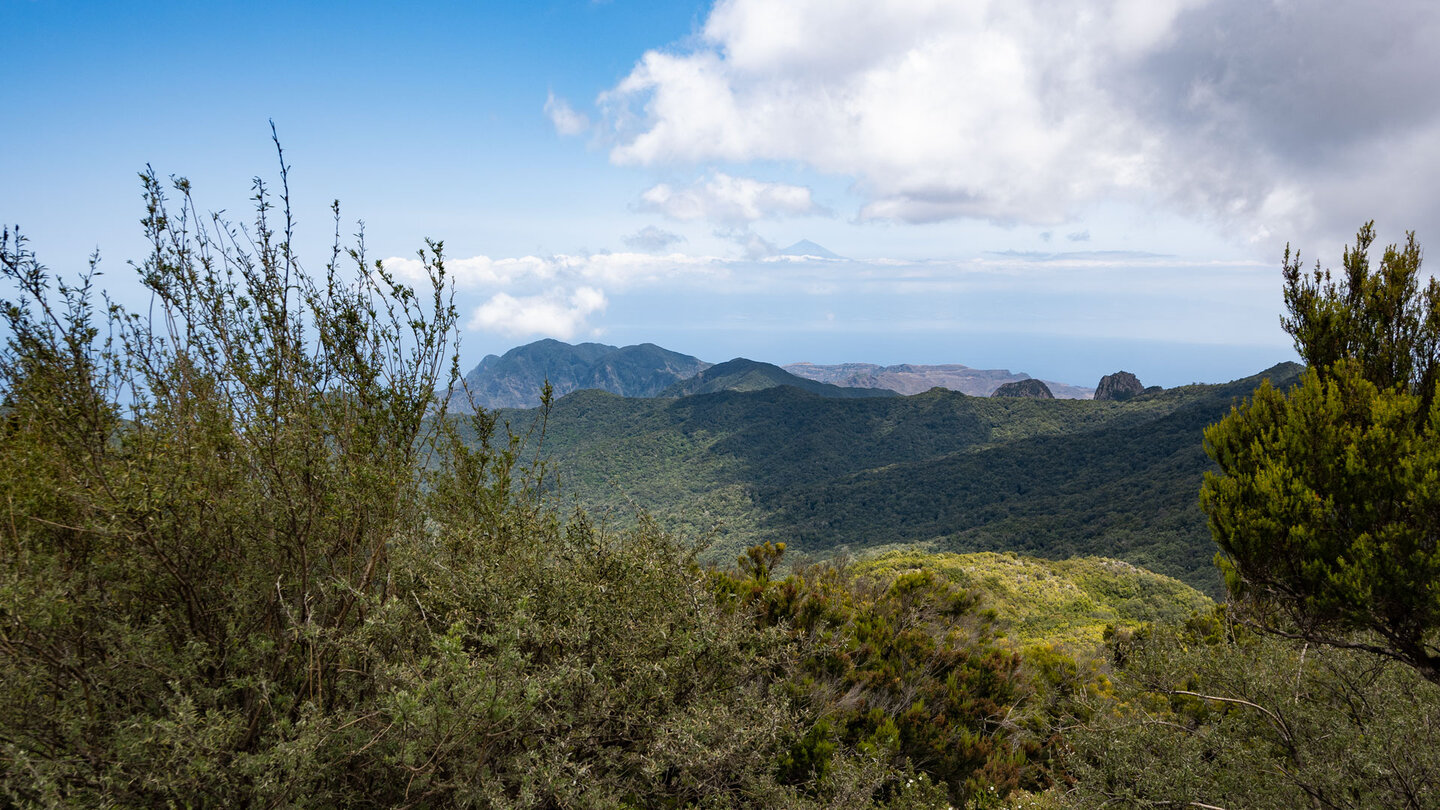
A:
{"x":1054,"y":478}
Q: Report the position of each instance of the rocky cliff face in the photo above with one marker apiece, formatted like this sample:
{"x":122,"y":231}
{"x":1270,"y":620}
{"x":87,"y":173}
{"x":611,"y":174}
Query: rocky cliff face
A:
{"x":1030,"y":389}
{"x":1117,"y":387}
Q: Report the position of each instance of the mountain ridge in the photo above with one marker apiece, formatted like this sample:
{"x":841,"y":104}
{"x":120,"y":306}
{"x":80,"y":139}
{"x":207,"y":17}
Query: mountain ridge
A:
{"x":515,"y":379}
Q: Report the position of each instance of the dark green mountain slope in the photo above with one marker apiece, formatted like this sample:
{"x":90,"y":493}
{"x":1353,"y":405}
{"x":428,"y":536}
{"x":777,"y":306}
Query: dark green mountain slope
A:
{"x":1054,"y":478}
{"x":514,"y":380}
{"x":750,"y":375}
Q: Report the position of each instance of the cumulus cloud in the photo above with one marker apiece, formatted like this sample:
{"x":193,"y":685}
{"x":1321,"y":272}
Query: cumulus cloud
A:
{"x":723,"y":199}
{"x":1260,"y":115}
{"x":479,"y":272}
{"x":557,"y":295}
{"x":556,"y":313}
{"x":651,"y":238}
{"x":566,"y":120}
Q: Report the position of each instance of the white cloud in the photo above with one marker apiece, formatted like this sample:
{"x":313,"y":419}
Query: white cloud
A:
{"x":728,"y":200}
{"x":478,"y":272}
{"x":556,"y":313}
{"x":651,"y":238}
{"x":1253,"y":114}
{"x":564,"y":117}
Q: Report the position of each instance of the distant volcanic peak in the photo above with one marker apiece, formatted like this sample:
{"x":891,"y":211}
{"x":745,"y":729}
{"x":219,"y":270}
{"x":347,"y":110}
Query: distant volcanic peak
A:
{"x":1117,"y":387}
{"x":516,"y":379}
{"x":806,"y":248}
{"x":1029,"y":389}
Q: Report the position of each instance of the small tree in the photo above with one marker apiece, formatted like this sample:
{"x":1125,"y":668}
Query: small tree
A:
{"x":1327,"y":506}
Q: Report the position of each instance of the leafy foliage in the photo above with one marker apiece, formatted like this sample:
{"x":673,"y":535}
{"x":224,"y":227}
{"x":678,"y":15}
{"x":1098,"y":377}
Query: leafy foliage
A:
{"x":1380,"y":318}
{"x":1327,"y":508}
{"x":906,"y":668}
{"x":1210,"y":715}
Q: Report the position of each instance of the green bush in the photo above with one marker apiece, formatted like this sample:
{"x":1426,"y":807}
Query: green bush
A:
{"x":1209,"y":714}
{"x":905,"y":668}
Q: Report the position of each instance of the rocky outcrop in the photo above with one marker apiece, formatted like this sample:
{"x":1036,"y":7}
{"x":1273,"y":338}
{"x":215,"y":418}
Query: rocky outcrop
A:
{"x":1029,"y":389}
{"x":1118,"y":387}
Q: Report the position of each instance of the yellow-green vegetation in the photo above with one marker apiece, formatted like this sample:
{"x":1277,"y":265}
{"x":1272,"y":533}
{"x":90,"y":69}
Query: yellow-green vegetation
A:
{"x":1066,"y":602}
{"x":909,"y":669}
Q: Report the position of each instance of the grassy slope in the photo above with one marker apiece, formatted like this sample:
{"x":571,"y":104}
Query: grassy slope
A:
{"x":1054,"y":478}
{"x":1068,"y":602}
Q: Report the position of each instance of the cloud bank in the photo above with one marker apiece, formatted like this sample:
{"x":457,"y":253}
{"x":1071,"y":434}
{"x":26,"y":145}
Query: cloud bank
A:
{"x":1127,"y":295}
{"x":1266,"y":117}
{"x":727,"y":200}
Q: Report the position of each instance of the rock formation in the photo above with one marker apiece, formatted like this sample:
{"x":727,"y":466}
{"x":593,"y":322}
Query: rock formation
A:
{"x":1032,"y":389}
{"x":1118,"y":387}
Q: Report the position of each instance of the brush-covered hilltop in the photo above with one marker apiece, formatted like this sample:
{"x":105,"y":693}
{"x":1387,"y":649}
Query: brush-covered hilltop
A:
{"x":1053,"y":478}
{"x":1069,"y":602}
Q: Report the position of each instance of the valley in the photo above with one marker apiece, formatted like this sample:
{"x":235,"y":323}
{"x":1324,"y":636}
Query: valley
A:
{"x":940,"y":471}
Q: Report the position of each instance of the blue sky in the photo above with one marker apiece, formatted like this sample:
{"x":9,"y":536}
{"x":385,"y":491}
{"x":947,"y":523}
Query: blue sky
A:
{"x":1061,"y":189}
